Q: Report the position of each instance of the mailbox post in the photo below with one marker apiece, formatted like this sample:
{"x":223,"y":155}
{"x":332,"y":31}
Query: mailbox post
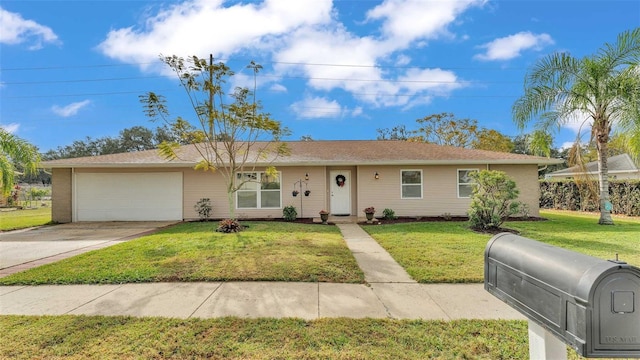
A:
{"x":591,"y":304}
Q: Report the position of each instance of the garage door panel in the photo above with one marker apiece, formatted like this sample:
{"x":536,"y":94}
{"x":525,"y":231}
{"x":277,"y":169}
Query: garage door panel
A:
{"x":128,"y":196}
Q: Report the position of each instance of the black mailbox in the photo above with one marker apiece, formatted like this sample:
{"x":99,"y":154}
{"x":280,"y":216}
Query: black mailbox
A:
{"x":589,"y":303}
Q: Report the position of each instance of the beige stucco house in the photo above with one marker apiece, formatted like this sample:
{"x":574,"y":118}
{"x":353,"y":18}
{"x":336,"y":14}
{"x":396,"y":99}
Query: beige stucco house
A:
{"x":343,"y":177}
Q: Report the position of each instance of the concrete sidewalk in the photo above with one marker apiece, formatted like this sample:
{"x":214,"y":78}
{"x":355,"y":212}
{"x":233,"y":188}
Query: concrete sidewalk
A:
{"x":389,"y":293}
{"x":258,"y":299}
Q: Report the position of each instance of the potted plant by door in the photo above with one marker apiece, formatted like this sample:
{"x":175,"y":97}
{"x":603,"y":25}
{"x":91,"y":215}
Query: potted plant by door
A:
{"x":324,"y":216}
{"x":369,"y":213}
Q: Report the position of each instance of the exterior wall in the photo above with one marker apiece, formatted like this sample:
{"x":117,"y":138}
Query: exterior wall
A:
{"x":200,"y":184}
{"x":307,"y":206}
{"x":61,"y":191}
{"x":526,"y":178}
{"x":439,"y":189}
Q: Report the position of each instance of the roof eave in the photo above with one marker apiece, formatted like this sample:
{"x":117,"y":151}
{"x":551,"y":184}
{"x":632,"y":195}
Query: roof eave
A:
{"x":317,"y":163}
{"x":115,"y":165}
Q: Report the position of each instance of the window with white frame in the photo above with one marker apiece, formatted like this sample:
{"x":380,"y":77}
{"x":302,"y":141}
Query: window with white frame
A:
{"x":411,"y":184}
{"x":258,"y":190}
{"x":465,"y":182}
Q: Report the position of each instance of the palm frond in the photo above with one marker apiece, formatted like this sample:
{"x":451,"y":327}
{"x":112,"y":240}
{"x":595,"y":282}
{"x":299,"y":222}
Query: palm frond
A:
{"x":14,"y":150}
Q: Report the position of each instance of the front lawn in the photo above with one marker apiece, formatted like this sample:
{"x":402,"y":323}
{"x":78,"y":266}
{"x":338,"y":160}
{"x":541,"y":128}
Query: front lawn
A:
{"x":83,"y":337}
{"x":266,"y":251}
{"x":449,"y":252}
{"x":20,"y":219}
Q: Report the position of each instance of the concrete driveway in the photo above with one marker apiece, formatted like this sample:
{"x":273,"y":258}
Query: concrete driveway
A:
{"x":24,"y":249}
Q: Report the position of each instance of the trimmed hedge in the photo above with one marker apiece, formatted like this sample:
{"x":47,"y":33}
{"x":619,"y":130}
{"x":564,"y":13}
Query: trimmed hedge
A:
{"x":583,"y":196}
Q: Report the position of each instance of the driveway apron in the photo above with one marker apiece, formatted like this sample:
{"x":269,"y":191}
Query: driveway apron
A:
{"x":24,"y":249}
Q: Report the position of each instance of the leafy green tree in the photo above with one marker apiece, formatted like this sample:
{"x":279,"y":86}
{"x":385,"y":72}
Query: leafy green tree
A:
{"x":493,"y":200}
{"x":135,"y":138}
{"x":229,"y":137}
{"x":601,"y":91}
{"x":15,"y":151}
{"x":446,"y":129}
{"x":399,"y":132}
{"x":493,"y":140}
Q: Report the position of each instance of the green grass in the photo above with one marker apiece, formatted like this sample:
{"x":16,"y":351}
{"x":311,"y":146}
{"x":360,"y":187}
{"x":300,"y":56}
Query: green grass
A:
{"x":434,"y":252}
{"x":266,"y":251}
{"x":20,"y":219}
{"x":431,"y":252}
{"x":81,"y":337}
{"x":449,"y":252}
{"x":581,"y":233}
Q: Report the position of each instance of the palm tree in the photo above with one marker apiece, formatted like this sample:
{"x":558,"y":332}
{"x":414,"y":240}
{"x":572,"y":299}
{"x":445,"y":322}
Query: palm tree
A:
{"x":15,"y":151}
{"x":601,"y":91}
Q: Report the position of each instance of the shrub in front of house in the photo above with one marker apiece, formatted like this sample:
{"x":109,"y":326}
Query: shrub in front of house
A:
{"x":289,"y":213}
{"x":203,"y":208}
{"x":493,"y":199}
{"x":229,"y":226}
{"x":389,"y":214}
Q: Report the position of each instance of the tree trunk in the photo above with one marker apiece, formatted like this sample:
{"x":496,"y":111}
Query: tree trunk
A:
{"x":603,"y":179}
{"x":232,"y":208}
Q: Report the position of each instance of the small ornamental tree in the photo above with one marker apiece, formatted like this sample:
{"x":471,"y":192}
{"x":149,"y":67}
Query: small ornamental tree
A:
{"x":493,"y":200}
{"x":229,"y":131}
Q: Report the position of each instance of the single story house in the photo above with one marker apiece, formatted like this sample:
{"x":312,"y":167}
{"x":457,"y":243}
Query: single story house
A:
{"x":343,"y":177}
{"x":620,"y":167}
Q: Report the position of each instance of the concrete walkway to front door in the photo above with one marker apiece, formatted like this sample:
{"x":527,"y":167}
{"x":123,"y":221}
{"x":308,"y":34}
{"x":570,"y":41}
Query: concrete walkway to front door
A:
{"x":376,"y":263}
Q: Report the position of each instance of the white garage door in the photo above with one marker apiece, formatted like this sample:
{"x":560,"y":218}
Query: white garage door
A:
{"x":128,"y":197}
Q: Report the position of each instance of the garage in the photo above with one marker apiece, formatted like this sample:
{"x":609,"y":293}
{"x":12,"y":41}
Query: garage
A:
{"x":128,"y":196}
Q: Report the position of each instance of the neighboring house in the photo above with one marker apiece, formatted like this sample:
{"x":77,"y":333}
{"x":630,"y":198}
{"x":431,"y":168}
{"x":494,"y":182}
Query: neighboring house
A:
{"x":344,"y":177}
{"x":620,"y":167}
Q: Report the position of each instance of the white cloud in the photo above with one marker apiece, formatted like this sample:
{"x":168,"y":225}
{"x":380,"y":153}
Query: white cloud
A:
{"x":357,"y":111}
{"x":567,"y":145}
{"x":198,"y":26}
{"x":71,"y":109}
{"x":298,"y":36}
{"x":316,"y":108}
{"x":278,"y":88}
{"x":14,"y":29}
{"x":403,"y":60}
{"x":11,"y":128}
{"x":511,"y":46}
{"x":579,"y":122}
{"x":436,"y":80}
{"x":407,"y":20}
{"x":355,"y":71}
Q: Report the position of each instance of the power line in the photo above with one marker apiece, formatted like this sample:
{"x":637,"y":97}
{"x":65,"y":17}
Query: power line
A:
{"x":62,"y":67}
{"x":80,"y":80}
{"x":82,"y":94}
{"x":263,"y":76}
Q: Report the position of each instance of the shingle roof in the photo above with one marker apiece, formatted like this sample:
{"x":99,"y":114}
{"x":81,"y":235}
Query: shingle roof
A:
{"x":615,"y":164}
{"x":324,"y":153}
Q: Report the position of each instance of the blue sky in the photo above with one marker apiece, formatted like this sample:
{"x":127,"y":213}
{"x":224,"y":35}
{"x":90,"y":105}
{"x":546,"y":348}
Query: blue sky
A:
{"x":332,"y":69}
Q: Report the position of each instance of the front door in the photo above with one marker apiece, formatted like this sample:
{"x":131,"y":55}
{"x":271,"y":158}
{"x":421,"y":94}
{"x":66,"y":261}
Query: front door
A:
{"x":340,"y":192}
